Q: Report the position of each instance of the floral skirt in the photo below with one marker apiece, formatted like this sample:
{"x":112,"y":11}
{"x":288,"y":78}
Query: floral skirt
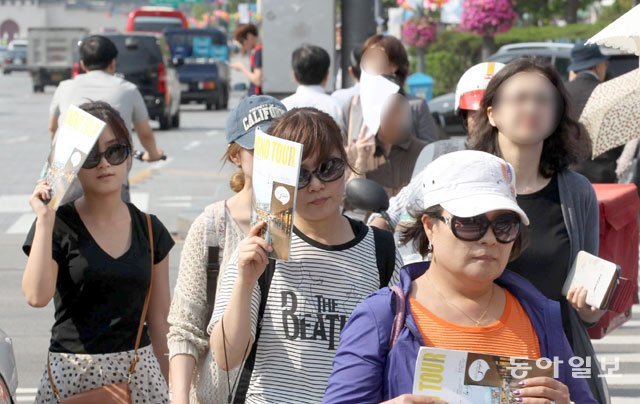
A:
{"x":75,"y":373}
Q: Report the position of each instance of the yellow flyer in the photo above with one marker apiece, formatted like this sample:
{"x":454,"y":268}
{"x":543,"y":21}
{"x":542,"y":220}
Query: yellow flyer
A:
{"x":276,"y":168}
{"x":71,"y":145}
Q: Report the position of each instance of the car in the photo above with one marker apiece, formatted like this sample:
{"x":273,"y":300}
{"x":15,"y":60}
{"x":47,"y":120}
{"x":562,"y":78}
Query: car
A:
{"x":4,"y":51}
{"x":202,"y":60}
{"x":8,"y":371}
{"x":145,"y":60}
{"x":15,"y":59}
{"x":155,"y":19}
{"x":558,"y":54}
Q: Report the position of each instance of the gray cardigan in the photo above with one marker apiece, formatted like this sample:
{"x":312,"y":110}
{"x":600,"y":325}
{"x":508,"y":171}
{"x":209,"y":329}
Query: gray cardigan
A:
{"x":580,"y":210}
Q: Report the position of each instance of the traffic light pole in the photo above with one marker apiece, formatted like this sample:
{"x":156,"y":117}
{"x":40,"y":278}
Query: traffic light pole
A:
{"x":358,"y":24}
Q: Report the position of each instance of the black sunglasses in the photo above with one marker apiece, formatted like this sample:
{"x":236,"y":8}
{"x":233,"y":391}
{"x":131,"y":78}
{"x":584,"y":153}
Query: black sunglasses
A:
{"x":506,"y":227}
{"x":115,"y":154}
{"x":327,"y":171}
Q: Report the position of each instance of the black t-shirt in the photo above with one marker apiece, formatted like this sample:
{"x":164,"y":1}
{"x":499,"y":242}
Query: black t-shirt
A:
{"x":99,"y":299}
{"x":545,"y":262}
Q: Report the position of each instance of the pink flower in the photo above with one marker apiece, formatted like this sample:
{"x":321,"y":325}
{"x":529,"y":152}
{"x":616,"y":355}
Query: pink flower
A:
{"x":488,"y":17}
{"x":419,"y":31}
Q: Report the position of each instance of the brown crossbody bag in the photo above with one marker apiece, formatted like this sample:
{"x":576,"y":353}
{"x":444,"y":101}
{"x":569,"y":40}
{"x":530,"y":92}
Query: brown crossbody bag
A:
{"x":115,"y":393}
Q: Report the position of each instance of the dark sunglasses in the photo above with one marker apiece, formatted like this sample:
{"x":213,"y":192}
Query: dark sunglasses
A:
{"x":115,"y":154}
{"x":327,"y":171}
{"x":506,"y":227}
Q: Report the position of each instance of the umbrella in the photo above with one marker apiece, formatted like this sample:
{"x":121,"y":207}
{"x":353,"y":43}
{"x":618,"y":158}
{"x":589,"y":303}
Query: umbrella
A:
{"x":612,"y":113}
{"x":623,"y":33}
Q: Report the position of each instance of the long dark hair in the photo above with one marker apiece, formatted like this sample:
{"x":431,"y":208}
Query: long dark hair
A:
{"x":568,"y":144}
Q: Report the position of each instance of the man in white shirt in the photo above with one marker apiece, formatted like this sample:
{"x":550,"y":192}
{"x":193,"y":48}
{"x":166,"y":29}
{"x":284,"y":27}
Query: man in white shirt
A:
{"x":345,"y":95}
{"x":311,"y":70}
{"x":98,"y":59}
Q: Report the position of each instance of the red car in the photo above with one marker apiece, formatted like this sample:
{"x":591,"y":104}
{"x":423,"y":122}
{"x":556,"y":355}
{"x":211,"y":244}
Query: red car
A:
{"x":155,"y":19}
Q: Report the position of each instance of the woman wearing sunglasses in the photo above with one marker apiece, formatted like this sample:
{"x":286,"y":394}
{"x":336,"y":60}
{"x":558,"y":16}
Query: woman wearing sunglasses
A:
{"x":335,"y":262}
{"x":211,"y":241}
{"x":92,"y":257}
{"x":463,"y":299}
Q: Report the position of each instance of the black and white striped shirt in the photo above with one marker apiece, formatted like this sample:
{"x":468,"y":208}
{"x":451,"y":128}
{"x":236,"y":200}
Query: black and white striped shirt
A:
{"x":310,"y":300}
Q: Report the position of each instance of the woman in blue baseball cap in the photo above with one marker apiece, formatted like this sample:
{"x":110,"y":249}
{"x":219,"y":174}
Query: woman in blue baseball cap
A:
{"x":212,"y":238}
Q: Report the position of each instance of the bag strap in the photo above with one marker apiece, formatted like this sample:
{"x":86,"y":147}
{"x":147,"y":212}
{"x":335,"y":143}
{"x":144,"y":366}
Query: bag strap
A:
{"x":245,"y":378}
{"x":399,"y":318}
{"x":385,"y":254}
{"x":147,"y":299}
{"x":354,"y":101}
{"x":145,"y":308}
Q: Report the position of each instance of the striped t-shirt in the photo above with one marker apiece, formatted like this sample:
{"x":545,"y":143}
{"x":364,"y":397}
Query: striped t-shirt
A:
{"x":310,"y":301}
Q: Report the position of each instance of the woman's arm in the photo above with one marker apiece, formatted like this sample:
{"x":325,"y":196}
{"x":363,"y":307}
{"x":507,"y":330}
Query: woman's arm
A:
{"x":41,"y":272}
{"x":358,"y":367}
{"x":231,"y":345}
{"x":158,"y":313}
{"x":188,"y":337}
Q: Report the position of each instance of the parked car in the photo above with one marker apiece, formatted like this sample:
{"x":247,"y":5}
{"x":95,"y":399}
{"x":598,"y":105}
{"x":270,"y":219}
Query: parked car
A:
{"x":145,"y":60}
{"x":16,"y":58}
{"x":202,"y":60}
{"x":558,"y":54}
{"x":8,"y":371}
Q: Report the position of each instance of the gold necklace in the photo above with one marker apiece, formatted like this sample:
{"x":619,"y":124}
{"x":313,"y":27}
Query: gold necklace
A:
{"x":484,"y":313}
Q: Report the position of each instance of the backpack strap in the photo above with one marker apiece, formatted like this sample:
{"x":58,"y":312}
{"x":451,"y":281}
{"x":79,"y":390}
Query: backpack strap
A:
{"x":385,"y":254}
{"x":400,"y":310}
{"x":264,"y":282}
{"x":212,"y":255}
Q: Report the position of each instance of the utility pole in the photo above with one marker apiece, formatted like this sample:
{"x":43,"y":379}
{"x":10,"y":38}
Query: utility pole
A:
{"x":358,"y":24}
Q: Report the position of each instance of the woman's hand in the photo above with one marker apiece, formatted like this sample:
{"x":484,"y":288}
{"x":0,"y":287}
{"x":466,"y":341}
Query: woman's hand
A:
{"x":578,"y":299}
{"x":542,"y":390}
{"x":365,"y":149}
{"x":42,"y":193}
{"x":253,"y":256}
{"x":414,"y":399}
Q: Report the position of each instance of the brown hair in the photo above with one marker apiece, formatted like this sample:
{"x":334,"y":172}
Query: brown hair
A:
{"x":316,"y":130}
{"x":568,"y":144}
{"x":395,"y":51}
{"x":237,"y":179}
{"x":416,"y":235}
{"x":242,"y":30}
{"x":111,"y":117}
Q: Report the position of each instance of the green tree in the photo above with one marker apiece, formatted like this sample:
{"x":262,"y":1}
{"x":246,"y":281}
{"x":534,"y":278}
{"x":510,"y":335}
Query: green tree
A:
{"x":541,"y":12}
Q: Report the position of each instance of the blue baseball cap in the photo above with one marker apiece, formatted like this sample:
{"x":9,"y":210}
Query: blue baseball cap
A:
{"x":257,"y":111}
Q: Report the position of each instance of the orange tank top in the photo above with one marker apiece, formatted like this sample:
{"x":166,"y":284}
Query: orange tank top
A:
{"x":512,"y":335}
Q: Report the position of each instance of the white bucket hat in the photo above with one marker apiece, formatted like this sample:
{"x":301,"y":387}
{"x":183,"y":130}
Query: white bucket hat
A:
{"x":469,"y":183}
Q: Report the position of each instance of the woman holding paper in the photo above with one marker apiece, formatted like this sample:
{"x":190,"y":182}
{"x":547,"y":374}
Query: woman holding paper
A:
{"x":389,"y":157}
{"x":524,"y":118}
{"x":212,"y":239}
{"x":386,"y":55}
{"x":334,"y":263}
{"x":464,"y":299}
{"x":93,"y":258}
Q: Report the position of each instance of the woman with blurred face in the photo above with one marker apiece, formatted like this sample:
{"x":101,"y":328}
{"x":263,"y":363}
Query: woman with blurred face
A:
{"x":386,"y":55}
{"x":92,"y":257}
{"x":524,"y":118}
{"x":463,"y":299}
